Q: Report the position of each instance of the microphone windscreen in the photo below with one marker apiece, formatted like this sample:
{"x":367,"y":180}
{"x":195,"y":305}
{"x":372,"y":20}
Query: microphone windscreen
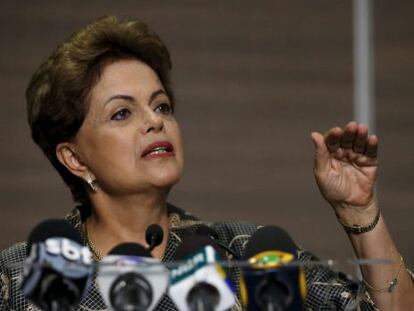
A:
{"x":154,"y":235}
{"x":194,"y":244}
{"x":269,"y":238}
{"x":208,"y":231}
{"x":52,"y":228}
{"x":130,"y":249}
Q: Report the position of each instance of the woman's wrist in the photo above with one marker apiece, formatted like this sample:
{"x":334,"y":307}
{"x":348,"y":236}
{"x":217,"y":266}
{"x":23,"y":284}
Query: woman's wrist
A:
{"x":358,"y":219}
{"x":358,"y":228}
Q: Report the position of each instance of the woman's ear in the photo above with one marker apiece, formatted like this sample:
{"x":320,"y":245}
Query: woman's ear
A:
{"x":67,"y":155}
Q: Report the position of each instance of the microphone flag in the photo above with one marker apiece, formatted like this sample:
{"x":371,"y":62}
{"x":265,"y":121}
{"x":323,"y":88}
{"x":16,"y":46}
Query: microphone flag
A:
{"x":272,"y":278}
{"x":119,"y":273}
{"x":198,"y":268}
{"x":56,"y":273}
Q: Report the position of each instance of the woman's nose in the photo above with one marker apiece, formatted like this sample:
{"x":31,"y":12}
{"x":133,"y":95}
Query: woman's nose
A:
{"x":152,"y":122}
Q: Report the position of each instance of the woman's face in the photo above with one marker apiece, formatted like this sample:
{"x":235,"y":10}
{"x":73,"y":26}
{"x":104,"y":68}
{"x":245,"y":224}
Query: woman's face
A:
{"x":130,"y":140}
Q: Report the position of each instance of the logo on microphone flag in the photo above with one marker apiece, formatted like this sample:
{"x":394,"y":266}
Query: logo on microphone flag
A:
{"x":270,"y":259}
{"x":201,"y":267}
{"x":276,"y":263}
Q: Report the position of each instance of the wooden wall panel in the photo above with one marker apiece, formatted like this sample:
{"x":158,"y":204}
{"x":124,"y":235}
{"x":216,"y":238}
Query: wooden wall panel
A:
{"x":253,"y":79}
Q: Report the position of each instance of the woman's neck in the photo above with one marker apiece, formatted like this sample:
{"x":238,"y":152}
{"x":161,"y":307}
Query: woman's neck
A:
{"x":125,"y":219}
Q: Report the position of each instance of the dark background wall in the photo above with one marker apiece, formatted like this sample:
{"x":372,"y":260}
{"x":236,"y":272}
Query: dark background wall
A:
{"x":253,"y":79}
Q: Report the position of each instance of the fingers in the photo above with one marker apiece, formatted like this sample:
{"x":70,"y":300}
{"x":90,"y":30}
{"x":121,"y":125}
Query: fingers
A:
{"x":372,"y":147}
{"x":360,"y":139}
{"x":352,"y":140}
{"x":333,"y":139}
{"x":349,"y":135}
{"x":322,"y":154}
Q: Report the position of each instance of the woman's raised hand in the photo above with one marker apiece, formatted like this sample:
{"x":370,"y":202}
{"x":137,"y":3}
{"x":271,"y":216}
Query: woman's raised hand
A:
{"x":346,"y":166}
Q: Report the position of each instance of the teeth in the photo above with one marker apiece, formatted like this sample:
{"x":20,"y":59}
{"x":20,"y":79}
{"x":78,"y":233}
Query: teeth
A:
{"x":158,"y":150}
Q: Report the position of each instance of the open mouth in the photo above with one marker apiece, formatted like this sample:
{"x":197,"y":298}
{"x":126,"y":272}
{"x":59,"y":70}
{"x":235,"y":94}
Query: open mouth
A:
{"x":162,"y":148}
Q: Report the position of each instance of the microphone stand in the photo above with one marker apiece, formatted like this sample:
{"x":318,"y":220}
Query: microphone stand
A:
{"x":52,"y":291}
{"x":272,"y":296}
{"x":58,"y":305}
{"x":201,"y":305}
{"x":203,"y":297}
{"x":272,"y":306}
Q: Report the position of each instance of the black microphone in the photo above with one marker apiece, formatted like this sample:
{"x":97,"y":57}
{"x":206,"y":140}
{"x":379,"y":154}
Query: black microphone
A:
{"x":153,"y":236}
{"x":198,"y":283}
{"x":130,"y":279}
{"x":208,"y":231}
{"x":272,"y":281}
{"x":58,"y":268}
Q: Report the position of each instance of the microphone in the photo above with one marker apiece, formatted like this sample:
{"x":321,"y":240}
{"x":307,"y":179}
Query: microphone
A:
{"x":130,"y":279}
{"x":154,"y":236}
{"x":58,"y":269}
{"x":198,"y":283}
{"x":269,"y":282}
{"x":208,"y":231}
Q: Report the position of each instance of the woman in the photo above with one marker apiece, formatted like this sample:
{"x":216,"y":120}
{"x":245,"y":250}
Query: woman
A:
{"x":102,"y":110}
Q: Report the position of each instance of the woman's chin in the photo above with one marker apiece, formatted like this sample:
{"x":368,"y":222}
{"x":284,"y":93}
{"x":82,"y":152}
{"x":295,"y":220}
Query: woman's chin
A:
{"x":166,"y":179}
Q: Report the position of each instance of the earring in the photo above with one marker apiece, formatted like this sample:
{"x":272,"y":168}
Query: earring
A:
{"x":91,"y":182}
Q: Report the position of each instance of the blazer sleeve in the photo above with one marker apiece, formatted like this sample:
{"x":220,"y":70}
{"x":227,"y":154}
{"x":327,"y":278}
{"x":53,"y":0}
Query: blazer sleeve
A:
{"x":11,"y":265}
{"x":3,"y":286}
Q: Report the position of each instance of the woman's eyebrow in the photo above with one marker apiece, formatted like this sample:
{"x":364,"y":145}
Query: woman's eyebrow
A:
{"x":120,"y":96}
{"x":156,"y":93}
{"x":131,"y":98}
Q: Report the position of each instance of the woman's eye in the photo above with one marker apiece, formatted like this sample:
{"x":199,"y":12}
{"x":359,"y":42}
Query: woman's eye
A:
{"x":164,"y":108}
{"x":122,"y":114}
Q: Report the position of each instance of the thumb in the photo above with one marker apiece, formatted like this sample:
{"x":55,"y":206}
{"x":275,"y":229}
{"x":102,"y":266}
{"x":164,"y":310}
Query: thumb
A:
{"x":322,"y":155}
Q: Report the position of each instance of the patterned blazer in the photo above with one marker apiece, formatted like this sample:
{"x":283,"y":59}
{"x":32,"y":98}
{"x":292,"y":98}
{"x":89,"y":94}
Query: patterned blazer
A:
{"x":326,"y":289}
